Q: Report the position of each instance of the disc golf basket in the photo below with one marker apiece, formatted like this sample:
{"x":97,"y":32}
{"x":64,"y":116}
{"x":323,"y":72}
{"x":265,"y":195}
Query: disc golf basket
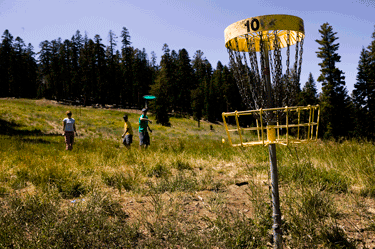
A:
{"x":299,"y":125}
{"x":255,"y":52}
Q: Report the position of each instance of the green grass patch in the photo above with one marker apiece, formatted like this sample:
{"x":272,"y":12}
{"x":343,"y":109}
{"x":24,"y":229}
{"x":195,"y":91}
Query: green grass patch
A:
{"x":306,"y":174}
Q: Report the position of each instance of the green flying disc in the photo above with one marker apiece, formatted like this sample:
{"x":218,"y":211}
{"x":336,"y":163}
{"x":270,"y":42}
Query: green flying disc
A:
{"x":149,"y":97}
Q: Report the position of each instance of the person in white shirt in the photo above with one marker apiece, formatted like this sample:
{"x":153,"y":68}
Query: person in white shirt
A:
{"x":69,"y":128}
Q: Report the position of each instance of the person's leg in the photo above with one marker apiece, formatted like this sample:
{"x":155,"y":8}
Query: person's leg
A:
{"x":141,"y":139}
{"x":71,"y":140}
{"x":146,"y":139}
{"x":67,"y":141}
{"x":128,"y":141}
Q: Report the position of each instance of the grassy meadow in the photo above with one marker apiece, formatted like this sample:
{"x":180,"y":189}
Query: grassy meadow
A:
{"x":187,"y":190}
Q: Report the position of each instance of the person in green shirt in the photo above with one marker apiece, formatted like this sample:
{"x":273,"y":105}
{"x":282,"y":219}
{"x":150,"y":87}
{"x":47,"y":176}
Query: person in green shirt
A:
{"x":144,"y":138}
{"x":128,"y":133}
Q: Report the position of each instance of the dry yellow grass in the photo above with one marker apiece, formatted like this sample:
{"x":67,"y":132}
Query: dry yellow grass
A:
{"x":180,"y":192}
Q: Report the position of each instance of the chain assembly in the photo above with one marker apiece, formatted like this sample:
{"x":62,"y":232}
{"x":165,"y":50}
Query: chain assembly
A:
{"x":251,"y":72}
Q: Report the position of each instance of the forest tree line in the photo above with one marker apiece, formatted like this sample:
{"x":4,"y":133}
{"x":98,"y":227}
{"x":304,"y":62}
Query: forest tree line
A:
{"x":87,"y":71}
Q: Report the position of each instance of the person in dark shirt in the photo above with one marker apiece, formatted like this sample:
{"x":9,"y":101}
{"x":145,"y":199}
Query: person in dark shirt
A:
{"x":144,"y":137}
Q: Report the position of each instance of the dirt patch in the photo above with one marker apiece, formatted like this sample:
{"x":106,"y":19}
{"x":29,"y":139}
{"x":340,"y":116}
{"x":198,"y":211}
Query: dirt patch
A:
{"x":198,"y":207}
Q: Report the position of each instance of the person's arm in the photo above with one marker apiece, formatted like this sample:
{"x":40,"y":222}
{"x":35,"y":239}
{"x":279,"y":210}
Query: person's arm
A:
{"x":63,"y":128}
{"x":125,"y":131}
{"x":149,"y":128}
{"x":74,"y":127}
{"x":145,"y":119}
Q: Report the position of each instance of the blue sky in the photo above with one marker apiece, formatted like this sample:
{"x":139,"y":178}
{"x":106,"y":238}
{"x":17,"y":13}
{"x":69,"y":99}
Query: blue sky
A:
{"x":191,"y":24}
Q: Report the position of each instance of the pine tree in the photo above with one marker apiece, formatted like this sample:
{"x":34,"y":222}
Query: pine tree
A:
{"x":117,"y":77}
{"x":29,"y":87}
{"x":89,"y":68}
{"x":360,"y":96}
{"x":76,"y":44}
{"x":308,"y":95}
{"x":18,"y":68}
{"x":215,"y":104}
{"x":101,"y":77}
{"x":55,"y":86}
{"x":154,"y":67}
{"x":210,"y":101}
{"x":202,"y":77}
{"x":197,"y":103}
{"x":184,"y":81}
{"x":223,"y":94}
{"x":84,"y":62}
{"x":363,"y":95}
{"x":172,"y":82}
{"x":335,"y":103}
{"x":125,"y":38}
{"x":113,"y":84}
{"x":6,"y":52}
{"x":371,"y":87}
{"x":126,"y":67}
{"x":162,"y":88}
{"x":143,"y":77}
{"x":65,"y":64}
{"x":231,"y":95}
{"x":208,"y":90}
{"x":45,"y":60}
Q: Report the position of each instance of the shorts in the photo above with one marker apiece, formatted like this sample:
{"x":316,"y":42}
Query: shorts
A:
{"x":144,"y":138}
{"x":128,"y":139}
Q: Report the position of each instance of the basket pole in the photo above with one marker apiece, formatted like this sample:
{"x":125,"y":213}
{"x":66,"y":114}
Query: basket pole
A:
{"x":276,"y":212}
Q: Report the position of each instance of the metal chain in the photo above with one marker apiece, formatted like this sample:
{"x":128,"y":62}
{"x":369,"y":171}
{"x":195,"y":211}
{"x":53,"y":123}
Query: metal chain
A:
{"x":270,"y":59}
{"x":255,"y":60}
{"x":296,"y":61}
{"x":237,"y":75}
{"x":243,"y":80}
{"x":252,"y":83}
{"x":300,"y":58}
{"x":262,"y":84}
{"x":286,"y":77}
{"x":267,"y":116}
{"x":257,"y":79}
{"x":278,"y":70}
{"x":259,"y":88}
{"x":287,"y":52}
{"x":264,"y":93}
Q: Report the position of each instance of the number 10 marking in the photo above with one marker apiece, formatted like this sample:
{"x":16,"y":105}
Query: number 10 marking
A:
{"x":254,"y":25}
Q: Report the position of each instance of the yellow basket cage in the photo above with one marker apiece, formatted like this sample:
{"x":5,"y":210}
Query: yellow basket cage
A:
{"x":298,"y":125}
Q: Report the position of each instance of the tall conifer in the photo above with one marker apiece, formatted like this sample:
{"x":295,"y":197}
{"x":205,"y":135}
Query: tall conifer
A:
{"x":6,"y":52}
{"x":44,"y":72}
{"x":162,"y":88}
{"x":76,"y":45}
{"x":184,"y":82}
{"x":126,"y":67}
{"x":371,"y":86}
{"x":360,"y":96}
{"x":202,"y":77}
{"x":335,"y":116}
{"x":101,"y":79}
{"x":308,"y":95}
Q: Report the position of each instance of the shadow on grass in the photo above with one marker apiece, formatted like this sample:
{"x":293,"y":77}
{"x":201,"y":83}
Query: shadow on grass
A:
{"x":13,"y":129}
